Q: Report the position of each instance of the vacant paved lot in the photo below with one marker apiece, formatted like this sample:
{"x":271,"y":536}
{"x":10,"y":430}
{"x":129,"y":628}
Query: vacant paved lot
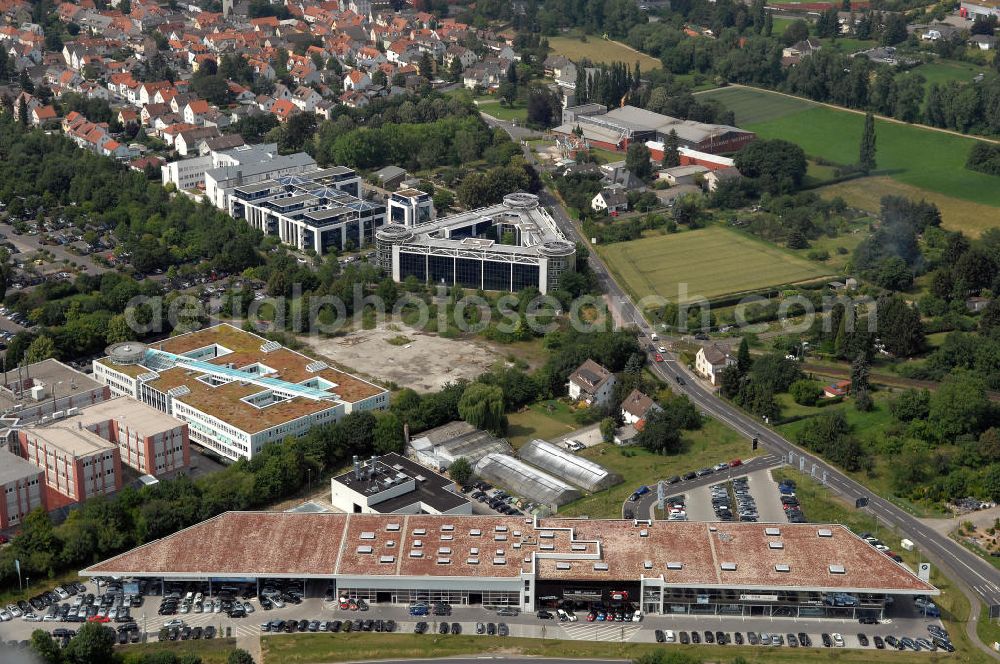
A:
{"x":708,"y":262}
{"x":416,"y":360}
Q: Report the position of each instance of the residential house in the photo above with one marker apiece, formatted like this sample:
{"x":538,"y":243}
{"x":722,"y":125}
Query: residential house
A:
{"x":305,"y":99}
{"x":591,"y":383}
{"x":711,"y":360}
{"x":682,"y":174}
{"x":984,"y":42}
{"x":41,"y":115}
{"x":466,"y":56}
{"x":195,"y":111}
{"x":839,"y":389}
{"x":713,"y":178}
{"x":354,"y":99}
{"x":187,"y":141}
{"x":283,"y":109}
{"x":612,"y":200}
{"x":801,"y":49}
{"x":637,"y":407}
{"x":356,"y":80}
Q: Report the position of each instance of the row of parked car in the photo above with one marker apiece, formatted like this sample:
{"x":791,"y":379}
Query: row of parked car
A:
{"x":880,"y":545}
{"x":497,"y":499}
{"x":332,"y":626}
{"x":789,"y":502}
{"x":177,"y":630}
{"x":937,"y":639}
{"x":719,"y":467}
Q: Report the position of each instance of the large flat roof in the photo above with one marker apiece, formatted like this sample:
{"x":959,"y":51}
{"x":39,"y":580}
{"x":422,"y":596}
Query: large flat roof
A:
{"x":684,"y":554}
{"x":431,"y":488}
{"x":137,"y":415}
{"x":13,"y":468}
{"x":225,"y":401}
{"x":69,"y":436}
{"x":49,"y":373}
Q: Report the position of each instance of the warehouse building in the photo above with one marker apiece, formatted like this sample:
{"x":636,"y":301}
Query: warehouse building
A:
{"x":392,"y":484}
{"x":438,"y":448}
{"x":565,"y":465}
{"x":466,"y":249}
{"x":237,"y":391}
{"x":33,"y":391}
{"x":618,"y":128}
{"x":525,"y":480}
{"x":661,"y":567}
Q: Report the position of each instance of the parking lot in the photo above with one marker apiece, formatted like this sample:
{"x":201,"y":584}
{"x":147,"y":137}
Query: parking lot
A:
{"x":321,"y":614}
{"x":750,"y":497}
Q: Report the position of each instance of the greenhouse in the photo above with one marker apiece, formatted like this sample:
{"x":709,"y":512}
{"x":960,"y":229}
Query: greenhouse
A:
{"x":568,"y":466}
{"x":524,"y":480}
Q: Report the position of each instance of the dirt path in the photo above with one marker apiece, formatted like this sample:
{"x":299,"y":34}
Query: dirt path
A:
{"x":859,"y":112}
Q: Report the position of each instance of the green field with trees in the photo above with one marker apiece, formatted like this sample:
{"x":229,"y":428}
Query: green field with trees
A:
{"x":903,"y":151}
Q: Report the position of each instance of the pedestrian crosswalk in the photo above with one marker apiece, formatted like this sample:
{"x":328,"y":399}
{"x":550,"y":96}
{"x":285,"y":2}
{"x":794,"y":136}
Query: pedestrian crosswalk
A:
{"x":597,"y":631}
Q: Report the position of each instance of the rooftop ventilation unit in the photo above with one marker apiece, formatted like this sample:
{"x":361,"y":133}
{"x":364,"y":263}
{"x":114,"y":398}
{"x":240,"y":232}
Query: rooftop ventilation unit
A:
{"x":364,"y":549}
{"x":600,"y":567}
{"x":499,"y":561}
{"x":772,"y":532}
{"x":563,"y":566}
{"x":475,"y":532}
{"x":472,"y":561}
{"x":447,"y":528}
{"x":387,"y":559}
{"x":647,"y":564}
{"x":728,"y":567}
{"x":392,"y":527}
{"x":824,"y":532}
{"x":444,"y":561}
{"x":447,"y":538}
{"x":578,"y":547}
{"x":775,"y":545}
{"x":419,"y":531}
{"x":368,"y":535}
{"x":782,"y":567}
{"x":547,"y":534}
{"x":416,"y":554}
{"x":837,"y":569}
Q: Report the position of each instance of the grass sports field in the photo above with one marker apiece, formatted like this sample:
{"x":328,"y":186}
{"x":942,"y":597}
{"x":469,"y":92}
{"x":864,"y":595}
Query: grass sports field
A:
{"x":710,"y":262}
{"x":601,"y":50}
{"x":921,"y":158}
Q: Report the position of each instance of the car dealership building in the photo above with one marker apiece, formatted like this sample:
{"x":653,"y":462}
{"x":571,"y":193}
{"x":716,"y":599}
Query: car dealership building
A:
{"x":661,"y":567}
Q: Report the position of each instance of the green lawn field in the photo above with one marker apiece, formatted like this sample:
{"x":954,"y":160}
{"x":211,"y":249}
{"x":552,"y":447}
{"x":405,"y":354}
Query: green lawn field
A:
{"x":710,"y":262}
{"x":925,"y":159}
{"x":601,"y":50}
{"x":942,"y":71}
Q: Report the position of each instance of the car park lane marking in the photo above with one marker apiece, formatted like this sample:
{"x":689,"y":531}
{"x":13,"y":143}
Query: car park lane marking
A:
{"x":599,"y":631}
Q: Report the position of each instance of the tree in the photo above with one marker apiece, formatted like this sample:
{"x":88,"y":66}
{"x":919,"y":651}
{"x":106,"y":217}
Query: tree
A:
{"x":959,"y":405}
{"x":482,"y":406}
{"x":607,"y":427}
{"x":443,"y":200}
{"x":777,"y":166}
{"x":805,"y":392}
{"x":894,"y":29}
{"x":866,"y":158}
{"x":22,"y":112}
{"x":911,"y":405}
{"x":637,"y":160}
{"x":426,"y":65}
{"x":93,"y":643}
{"x":239,"y":656}
{"x":388,"y":434}
{"x":795,"y":32}
{"x":45,"y":647}
{"x":671,"y":150}
{"x":460,"y":470}
{"x":860,"y":386}
{"x":899,"y":327}
{"x":118,"y":330}
{"x":743,"y":361}
{"x":660,"y":434}
{"x":989,"y":320}
{"x":455,"y":70}
{"x":42,"y":348}
{"x":542,"y":108}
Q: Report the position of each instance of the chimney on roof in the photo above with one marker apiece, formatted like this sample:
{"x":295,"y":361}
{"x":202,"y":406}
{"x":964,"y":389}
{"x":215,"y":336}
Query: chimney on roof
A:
{"x":357,"y":468}
{"x":371,"y":466}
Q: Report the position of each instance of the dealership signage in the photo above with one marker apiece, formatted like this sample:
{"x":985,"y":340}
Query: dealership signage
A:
{"x":758,"y":598}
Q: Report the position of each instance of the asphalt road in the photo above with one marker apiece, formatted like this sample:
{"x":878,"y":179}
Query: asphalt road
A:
{"x":955,"y":560}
